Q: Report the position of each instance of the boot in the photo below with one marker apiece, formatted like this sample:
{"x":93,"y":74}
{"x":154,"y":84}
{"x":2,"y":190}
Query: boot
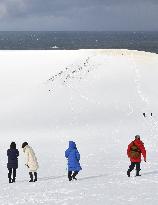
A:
{"x":128,"y":173}
{"x":70,"y":179}
{"x":69,"y":175}
{"x":35,"y":174}
{"x":10,"y":180}
{"x":31,"y":177}
{"x":74,"y":175}
{"x":13,"y":180}
{"x":9,"y":177}
{"x":14,"y":175}
{"x":137,"y":173}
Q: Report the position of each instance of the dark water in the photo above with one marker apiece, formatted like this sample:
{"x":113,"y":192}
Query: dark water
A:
{"x":43,"y":40}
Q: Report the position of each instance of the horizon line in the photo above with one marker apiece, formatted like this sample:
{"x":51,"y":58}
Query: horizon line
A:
{"x":78,"y":30}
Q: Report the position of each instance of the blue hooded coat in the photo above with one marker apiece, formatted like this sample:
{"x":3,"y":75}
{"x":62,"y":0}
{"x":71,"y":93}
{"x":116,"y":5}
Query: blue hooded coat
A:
{"x":12,"y":158}
{"x":73,"y":157}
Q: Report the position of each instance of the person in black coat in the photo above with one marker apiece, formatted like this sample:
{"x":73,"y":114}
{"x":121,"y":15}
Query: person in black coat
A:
{"x":12,"y":164}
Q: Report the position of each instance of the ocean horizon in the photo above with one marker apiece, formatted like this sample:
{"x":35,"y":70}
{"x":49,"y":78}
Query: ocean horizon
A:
{"x":74,"y":40}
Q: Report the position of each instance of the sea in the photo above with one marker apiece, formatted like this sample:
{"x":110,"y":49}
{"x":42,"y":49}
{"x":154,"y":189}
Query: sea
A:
{"x":72,"y":40}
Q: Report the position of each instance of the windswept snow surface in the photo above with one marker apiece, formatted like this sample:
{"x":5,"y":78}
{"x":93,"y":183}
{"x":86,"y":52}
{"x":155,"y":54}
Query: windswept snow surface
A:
{"x":94,"y":97}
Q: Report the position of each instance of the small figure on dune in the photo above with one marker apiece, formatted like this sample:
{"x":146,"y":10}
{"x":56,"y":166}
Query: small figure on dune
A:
{"x":73,"y":157}
{"x":60,"y":72}
{"x":31,"y":161}
{"x":151,"y":114}
{"x":12,"y":164}
{"x":134,"y":151}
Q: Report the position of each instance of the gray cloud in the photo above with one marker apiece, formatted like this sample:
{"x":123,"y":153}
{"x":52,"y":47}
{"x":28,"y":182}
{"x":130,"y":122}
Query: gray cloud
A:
{"x":80,"y":15}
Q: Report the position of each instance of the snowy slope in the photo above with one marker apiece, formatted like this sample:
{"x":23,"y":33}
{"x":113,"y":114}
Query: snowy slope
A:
{"x":95,"y":97}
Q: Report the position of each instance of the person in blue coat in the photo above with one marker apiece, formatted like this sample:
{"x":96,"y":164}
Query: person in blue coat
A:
{"x":12,"y":164}
{"x":73,"y":157}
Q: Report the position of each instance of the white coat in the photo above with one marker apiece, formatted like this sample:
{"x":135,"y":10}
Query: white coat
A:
{"x":31,"y":160}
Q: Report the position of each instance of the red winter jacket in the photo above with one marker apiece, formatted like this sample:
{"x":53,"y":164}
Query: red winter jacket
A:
{"x":140,"y":145}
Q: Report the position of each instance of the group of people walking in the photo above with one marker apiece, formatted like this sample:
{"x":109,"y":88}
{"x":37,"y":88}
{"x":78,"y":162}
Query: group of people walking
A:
{"x":134,"y":151}
{"x":31,"y":161}
{"x":72,"y":154}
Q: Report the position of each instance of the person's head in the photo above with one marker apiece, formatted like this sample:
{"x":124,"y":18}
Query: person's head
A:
{"x":72,"y":144}
{"x":137,"y":137}
{"x":24,"y":144}
{"x":13,"y":145}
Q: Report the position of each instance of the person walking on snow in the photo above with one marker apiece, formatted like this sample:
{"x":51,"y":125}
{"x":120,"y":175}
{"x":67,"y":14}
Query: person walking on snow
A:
{"x":12,"y":164}
{"x":73,"y":157}
{"x":134,"y":151}
{"x":31,"y":161}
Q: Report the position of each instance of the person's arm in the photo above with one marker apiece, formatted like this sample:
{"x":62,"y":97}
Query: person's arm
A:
{"x":27,"y":157}
{"x":67,"y":153}
{"x":77,"y":155}
{"x":17,"y":153}
{"x":128,"y":150}
{"x":143,"y":151}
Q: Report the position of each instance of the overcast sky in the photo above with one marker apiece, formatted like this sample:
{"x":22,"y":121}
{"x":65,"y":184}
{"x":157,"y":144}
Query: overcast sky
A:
{"x":78,"y":14}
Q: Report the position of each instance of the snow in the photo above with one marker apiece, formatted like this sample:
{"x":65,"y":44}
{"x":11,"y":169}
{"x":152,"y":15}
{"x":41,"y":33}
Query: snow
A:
{"x":94,"y":97}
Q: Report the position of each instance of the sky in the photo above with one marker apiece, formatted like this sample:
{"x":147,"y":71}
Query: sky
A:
{"x":56,"y":15}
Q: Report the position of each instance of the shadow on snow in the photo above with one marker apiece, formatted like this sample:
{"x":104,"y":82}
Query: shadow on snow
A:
{"x":152,"y":172}
{"x":62,"y":176}
{"x":92,"y":177}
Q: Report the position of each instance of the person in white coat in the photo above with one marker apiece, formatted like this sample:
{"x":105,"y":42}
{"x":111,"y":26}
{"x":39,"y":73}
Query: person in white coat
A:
{"x":31,"y":161}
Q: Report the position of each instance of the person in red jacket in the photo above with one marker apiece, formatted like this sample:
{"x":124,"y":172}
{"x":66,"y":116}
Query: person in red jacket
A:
{"x":135,"y":150}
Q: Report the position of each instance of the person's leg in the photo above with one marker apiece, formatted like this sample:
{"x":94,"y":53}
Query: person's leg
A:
{"x":31,"y":177}
{"x":138,"y":169}
{"x":35,"y":174}
{"x":69,"y":175}
{"x":10,"y":174}
{"x":74,"y":175}
{"x":131,"y":167}
{"x":14,"y":175}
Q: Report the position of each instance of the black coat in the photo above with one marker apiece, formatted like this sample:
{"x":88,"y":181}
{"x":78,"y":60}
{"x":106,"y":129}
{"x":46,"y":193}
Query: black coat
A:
{"x":12,"y":158}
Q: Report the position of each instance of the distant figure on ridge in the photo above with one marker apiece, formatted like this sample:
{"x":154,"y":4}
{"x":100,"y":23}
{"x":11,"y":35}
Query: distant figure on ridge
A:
{"x":151,"y":114}
{"x":31,"y":161}
{"x":144,"y":114}
{"x":73,"y":157}
{"x":134,"y":151}
{"x":12,"y":164}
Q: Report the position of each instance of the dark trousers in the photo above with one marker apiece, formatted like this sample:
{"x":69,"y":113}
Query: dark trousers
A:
{"x":11,"y":170}
{"x":132,"y":165}
{"x":72,"y":176}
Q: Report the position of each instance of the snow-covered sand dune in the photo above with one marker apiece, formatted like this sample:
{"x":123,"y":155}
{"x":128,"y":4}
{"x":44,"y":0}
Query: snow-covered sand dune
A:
{"x":94,"y":97}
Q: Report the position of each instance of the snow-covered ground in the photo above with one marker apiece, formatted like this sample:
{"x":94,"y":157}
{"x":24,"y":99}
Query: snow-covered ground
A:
{"x":94,"y":97}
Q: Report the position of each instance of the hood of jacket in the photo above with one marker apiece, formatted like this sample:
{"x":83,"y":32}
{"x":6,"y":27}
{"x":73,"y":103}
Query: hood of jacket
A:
{"x":138,"y":142}
{"x":27,"y":146}
{"x":72,"y":145}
